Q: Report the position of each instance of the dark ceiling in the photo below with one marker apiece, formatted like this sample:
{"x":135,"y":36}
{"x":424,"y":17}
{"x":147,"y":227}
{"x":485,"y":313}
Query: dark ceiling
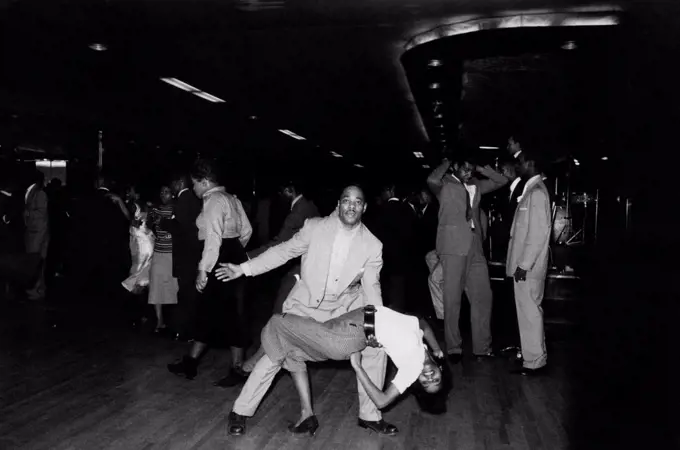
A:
{"x":331,"y":71}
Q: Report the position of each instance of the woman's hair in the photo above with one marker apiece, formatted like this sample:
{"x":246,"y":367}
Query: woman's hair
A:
{"x":204,"y":169}
{"x":434,"y":403}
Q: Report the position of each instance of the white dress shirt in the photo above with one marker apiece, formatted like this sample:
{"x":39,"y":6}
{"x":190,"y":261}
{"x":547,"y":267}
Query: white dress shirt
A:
{"x":513,"y":185}
{"x":295,"y":200}
{"x":402,"y":339}
{"x":472,"y":190}
{"x":339,"y":253}
{"x":28,"y":191}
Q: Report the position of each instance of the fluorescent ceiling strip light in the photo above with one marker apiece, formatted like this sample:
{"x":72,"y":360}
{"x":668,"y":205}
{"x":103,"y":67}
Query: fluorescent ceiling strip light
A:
{"x":191,"y":89}
{"x":418,"y":154}
{"x":293,"y":135}
{"x":483,"y":147}
{"x":337,"y":155}
{"x":180,"y":84}
{"x":359,"y":166}
{"x":206,"y":96}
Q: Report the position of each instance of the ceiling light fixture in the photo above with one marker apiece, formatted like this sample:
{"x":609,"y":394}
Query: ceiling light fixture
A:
{"x":293,"y":135}
{"x":418,"y":154}
{"x":569,"y":45}
{"x":576,"y":163}
{"x":192,"y":90}
{"x":485,"y":147}
{"x":604,"y":158}
{"x":359,"y":166}
{"x":434,"y":86}
{"x":435,"y":63}
{"x":209,"y":97}
{"x":426,"y":166}
{"x":337,"y":155}
{"x":97,"y":47}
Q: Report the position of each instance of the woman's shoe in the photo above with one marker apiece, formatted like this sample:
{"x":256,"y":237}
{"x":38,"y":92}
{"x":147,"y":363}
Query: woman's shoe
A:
{"x":307,"y":426}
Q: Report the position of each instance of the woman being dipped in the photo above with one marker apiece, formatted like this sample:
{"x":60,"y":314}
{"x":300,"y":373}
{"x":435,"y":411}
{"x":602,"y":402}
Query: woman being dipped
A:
{"x":225,"y":230}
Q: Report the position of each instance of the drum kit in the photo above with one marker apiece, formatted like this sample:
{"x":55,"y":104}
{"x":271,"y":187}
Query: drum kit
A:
{"x":575,"y":220}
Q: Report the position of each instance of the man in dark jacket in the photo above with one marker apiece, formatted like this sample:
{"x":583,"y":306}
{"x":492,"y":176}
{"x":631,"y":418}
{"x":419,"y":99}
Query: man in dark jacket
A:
{"x":186,"y":252}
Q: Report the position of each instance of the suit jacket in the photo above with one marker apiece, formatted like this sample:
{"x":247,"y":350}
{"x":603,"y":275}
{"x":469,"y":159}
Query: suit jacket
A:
{"x":428,"y":228}
{"x":360,"y":281}
{"x":186,"y":248}
{"x":302,"y":210}
{"x":530,"y":232}
{"x":36,"y":220}
{"x":454,"y":234}
{"x":396,"y":229}
{"x":511,"y":203}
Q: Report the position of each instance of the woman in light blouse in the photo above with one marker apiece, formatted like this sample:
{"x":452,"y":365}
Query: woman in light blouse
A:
{"x":225,"y":230}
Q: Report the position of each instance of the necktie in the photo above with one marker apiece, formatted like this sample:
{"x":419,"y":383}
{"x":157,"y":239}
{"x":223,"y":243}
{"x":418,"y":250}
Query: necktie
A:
{"x":468,"y":209}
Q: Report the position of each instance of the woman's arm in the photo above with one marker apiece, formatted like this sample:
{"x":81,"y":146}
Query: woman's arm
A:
{"x":430,"y":338}
{"x":380,"y":398}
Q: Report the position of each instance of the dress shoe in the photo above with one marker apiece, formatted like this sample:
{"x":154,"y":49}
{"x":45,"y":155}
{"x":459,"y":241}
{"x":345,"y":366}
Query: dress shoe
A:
{"x":187,"y":366}
{"x":237,"y":424}
{"x":487,"y":355}
{"x":306,"y":427}
{"x":525,"y":371}
{"x":236,"y":376}
{"x":379,"y":426}
{"x":455,"y":358}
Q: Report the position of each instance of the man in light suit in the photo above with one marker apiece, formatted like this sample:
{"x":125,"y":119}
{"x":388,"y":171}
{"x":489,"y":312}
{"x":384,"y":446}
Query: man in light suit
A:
{"x":37,"y":234}
{"x":527,"y":263}
{"x":459,"y":247}
{"x":340,"y":272}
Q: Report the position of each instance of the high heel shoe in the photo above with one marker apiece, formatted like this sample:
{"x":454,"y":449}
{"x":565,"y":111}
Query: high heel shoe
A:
{"x":307,"y":426}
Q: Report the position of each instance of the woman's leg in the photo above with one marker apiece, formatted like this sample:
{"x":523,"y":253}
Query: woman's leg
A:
{"x":160,"y":323}
{"x":301,"y":380}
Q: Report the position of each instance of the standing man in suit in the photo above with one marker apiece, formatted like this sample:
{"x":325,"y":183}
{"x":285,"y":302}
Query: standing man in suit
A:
{"x":37,"y":233}
{"x":340,"y":272}
{"x":459,"y":247}
{"x":186,"y":252}
{"x":395,"y":227}
{"x":527,"y":263}
{"x":301,"y":209}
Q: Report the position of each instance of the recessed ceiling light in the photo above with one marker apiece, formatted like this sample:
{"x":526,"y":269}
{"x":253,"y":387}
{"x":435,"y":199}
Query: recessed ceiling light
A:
{"x":359,"y":166}
{"x":485,"y":147}
{"x":569,"y":45}
{"x":418,"y":154}
{"x":337,"y":155}
{"x":426,"y":166}
{"x":435,"y":63}
{"x":97,"y":47}
{"x":434,"y":86}
{"x":604,"y":158}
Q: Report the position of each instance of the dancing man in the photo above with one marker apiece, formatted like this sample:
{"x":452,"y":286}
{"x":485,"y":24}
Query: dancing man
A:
{"x":341,"y":262}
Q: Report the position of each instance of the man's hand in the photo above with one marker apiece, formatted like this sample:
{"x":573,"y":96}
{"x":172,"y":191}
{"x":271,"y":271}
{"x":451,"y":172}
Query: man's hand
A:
{"x":439,"y":354}
{"x":484,"y":170}
{"x":520,"y":274}
{"x":228,"y":272}
{"x":201,"y":280}
{"x":355,"y":359}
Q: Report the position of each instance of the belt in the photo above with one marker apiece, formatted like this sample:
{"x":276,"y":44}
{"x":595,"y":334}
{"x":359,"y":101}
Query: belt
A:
{"x":369,"y":323}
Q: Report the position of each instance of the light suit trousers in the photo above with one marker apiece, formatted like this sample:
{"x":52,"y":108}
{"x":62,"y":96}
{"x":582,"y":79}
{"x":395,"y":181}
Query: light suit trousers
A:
{"x":435,"y":282}
{"x":373,"y":361}
{"x":528,"y":299}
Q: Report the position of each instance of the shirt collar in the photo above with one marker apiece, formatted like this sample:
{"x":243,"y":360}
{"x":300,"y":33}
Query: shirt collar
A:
{"x":295,"y":200}
{"x":102,"y":188}
{"x":342,"y":229}
{"x":213,"y":190}
{"x":516,"y":154}
{"x":393,"y":199}
{"x":514,"y":184}
{"x":182,"y":191}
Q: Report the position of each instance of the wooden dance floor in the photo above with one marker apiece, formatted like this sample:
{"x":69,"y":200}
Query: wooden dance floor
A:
{"x":96,"y":387}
